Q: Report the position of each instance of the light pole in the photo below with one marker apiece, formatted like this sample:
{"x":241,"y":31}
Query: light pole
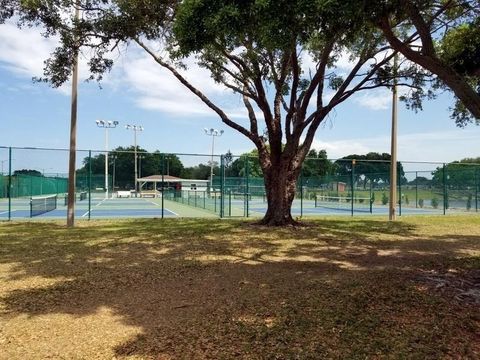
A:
{"x":212,"y":132}
{"x":107,"y":125}
{"x":140,"y":157}
{"x":4,"y":161}
{"x":135,"y":128}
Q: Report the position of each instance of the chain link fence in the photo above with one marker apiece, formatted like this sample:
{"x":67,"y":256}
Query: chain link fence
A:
{"x":34,"y":183}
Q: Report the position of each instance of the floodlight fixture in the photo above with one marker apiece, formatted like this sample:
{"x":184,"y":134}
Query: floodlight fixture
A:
{"x":212,"y":132}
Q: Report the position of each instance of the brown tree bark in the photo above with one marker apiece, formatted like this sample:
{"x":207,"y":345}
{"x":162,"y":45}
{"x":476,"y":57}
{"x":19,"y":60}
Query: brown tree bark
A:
{"x":280,"y":185}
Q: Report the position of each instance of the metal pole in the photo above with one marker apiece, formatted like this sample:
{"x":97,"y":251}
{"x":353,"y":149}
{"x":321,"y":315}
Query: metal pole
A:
{"x":163,"y":185}
{"x":211,"y":164}
{"x":400,"y":194}
{"x":416,"y":189}
{"x":89,"y":183}
{"x":73,"y":135}
{"x":247,"y":170}
{"x":352,"y":175}
{"x":106,"y":163}
{"x":135,"y":155}
{"x":393,"y":161}
{"x":113,"y":174}
{"x":476,"y":190}
{"x":444,"y":190}
{"x":301,"y":193}
{"x":371,"y":200}
{"x":222,"y":189}
{"x":9,"y":183}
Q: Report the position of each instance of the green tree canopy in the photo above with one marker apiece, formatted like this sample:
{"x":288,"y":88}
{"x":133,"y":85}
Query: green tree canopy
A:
{"x":373,"y":167}
{"x":458,"y":174}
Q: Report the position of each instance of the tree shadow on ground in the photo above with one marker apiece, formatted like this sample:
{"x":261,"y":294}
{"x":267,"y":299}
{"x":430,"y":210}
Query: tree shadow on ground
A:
{"x":197,"y":289}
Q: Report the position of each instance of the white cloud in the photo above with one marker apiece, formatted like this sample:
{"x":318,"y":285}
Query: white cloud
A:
{"x":155,"y":88}
{"x":374,"y":99}
{"x":23,"y":51}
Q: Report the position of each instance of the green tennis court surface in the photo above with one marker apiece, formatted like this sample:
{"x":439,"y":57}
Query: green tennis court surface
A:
{"x":99,"y":208}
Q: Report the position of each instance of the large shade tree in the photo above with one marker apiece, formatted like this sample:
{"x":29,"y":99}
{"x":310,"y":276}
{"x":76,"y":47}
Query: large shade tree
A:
{"x":257,"y":48}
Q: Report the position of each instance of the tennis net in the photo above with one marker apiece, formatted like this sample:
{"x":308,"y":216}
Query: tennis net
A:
{"x":344,"y":203}
{"x":42,"y":204}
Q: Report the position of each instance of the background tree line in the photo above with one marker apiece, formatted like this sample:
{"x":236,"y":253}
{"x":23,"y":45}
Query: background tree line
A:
{"x":372,"y":167}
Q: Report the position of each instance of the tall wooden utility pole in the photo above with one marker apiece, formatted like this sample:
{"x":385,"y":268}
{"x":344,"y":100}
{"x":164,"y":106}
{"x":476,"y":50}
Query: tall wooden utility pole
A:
{"x":392,"y":213}
{"x":73,"y":137}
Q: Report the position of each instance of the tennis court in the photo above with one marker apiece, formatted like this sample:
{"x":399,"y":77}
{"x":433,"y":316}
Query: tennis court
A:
{"x":313,"y":208}
{"x":99,"y":208}
{"x":54,"y":207}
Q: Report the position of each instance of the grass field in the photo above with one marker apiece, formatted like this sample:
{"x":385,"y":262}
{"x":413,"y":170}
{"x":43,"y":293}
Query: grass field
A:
{"x":336,"y":288}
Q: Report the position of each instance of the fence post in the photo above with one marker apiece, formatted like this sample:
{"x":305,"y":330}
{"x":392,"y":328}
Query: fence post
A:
{"x":162,"y":159}
{"x":371,"y":198}
{"x":222,"y":189}
{"x":89,"y":183}
{"x":230,"y":202}
{"x":416,"y":189}
{"x":9,"y":183}
{"x":352,"y":177}
{"x":247,"y":188}
{"x":399,"y":190}
{"x":444,"y":189}
{"x":301,"y":192}
{"x":476,"y":190}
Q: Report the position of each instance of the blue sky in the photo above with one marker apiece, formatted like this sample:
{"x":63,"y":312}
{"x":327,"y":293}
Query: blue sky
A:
{"x":139,"y":92}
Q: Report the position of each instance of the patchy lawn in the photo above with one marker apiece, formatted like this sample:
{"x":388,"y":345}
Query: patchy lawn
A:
{"x":338,"y":288}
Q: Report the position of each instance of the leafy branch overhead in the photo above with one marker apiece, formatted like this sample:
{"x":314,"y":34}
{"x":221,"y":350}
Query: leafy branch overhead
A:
{"x":448,"y":44}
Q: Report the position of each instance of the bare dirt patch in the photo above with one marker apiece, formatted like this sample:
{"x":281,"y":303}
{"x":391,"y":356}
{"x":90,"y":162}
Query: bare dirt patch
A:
{"x":172,"y":289}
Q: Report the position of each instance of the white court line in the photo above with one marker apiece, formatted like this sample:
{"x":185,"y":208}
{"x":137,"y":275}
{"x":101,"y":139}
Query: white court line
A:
{"x":154,"y":203}
{"x":91,"y":209}
{"x":6,"y":212}
{"x":100,"y":203}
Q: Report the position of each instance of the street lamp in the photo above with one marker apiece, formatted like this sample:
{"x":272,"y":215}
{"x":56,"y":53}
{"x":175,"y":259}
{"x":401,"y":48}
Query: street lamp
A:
{"x":212,"y":132}
{"x":106,"y":125}
{"x":135,"y":128}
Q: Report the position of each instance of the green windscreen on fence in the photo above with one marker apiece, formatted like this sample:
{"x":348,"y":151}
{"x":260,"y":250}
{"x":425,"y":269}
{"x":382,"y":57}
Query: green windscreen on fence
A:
{"x":158,"y":185}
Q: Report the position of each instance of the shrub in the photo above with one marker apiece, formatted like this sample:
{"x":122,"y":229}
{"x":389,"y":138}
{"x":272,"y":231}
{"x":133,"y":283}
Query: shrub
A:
{"x":420,"y":203}
{"x":384,"y":199}
{"x":434,"y":203}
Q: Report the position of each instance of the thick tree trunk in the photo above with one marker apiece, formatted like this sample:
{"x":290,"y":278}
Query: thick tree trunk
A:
{"x":280,"y":185}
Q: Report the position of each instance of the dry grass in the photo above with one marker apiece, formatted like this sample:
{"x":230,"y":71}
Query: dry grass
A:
{"x":340,"y":288}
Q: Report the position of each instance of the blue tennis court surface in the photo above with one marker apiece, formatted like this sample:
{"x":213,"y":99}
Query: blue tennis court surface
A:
{"x":99,"y":208}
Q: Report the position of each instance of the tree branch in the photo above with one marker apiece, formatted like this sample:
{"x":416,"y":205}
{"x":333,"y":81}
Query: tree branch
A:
{"x":197,"y":92}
